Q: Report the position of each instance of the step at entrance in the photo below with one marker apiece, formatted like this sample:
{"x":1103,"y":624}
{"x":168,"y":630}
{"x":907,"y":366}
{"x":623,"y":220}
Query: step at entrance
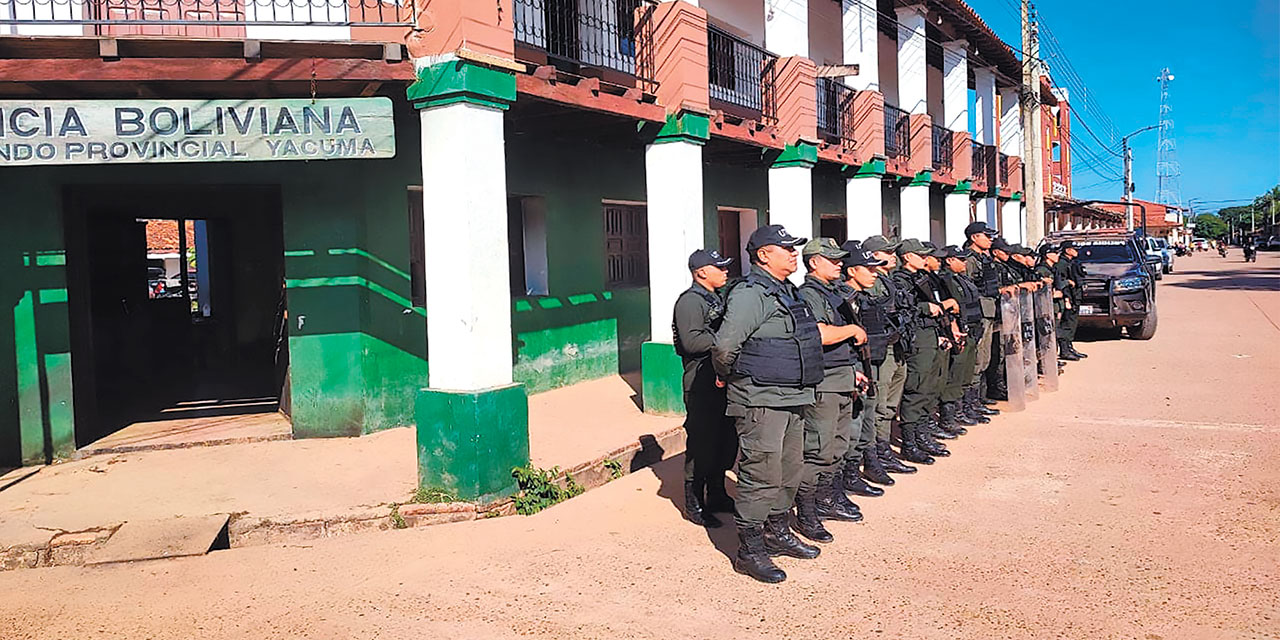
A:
{"x":171,"y":538}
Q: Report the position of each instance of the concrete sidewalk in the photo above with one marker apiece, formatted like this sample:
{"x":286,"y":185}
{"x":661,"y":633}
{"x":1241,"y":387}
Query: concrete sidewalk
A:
{"x":298,"y":489}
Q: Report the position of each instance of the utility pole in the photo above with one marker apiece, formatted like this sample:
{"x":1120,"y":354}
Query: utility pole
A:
{"x":1033,"y":129}
{"x":1127,"y":154}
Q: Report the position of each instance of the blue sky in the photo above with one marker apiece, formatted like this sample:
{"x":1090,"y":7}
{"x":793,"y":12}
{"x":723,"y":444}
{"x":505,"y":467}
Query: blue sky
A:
{"x":1225,"y":96}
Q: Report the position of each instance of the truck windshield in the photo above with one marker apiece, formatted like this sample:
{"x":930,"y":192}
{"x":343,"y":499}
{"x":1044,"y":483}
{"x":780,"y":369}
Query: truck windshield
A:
{"x":1117,"y":252}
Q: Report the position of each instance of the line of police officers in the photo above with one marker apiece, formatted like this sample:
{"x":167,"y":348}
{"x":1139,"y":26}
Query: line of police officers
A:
{"x":802,"y":386}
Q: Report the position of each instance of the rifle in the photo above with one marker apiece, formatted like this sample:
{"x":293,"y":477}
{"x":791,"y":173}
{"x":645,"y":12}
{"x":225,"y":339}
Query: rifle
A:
{"x":864,"y":355}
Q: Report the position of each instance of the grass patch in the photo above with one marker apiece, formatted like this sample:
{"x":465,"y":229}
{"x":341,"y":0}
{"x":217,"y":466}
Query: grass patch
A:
{"x":539,"y":490}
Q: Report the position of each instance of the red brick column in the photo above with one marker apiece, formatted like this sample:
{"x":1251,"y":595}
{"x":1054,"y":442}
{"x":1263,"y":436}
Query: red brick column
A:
{"x":797,"y":100}
{"x":961,"y":155}
{"x":921,"y":131}
{"x":677,"y":48}
{"x":868,"y":126}
{"x":446,"y":26}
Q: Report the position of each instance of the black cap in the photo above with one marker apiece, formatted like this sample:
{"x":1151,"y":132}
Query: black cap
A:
{"x":978,"y":227}
{"x":772,"y":234}
{"x":852,"y":245}
{"x":999,"y":244}
{"x":702,"y":258}
{"x":1067,"y":244}
{"x":860,"y":257}
{"x":1047,"y":249}
{"x":952,"y":251}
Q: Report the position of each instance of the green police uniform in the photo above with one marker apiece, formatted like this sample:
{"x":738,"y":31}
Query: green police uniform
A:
{"x":769,"y":417}
{"x":711,"y":442}
{"x":828,"y":423}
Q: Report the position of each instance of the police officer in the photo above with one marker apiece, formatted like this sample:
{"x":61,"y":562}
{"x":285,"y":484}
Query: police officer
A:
{"x":711,"y":441}
{"x":956,"y":279}
{"x":870,"y":304}
{"x":1008,"y":280}
{"x":828,"y":423}
{"x":923,"y":365}
{"x":891,"y":374}
{"x":948,"y":329}
{"x":1073,"y":272}
{"x":981,"y":269}
{"x":769,"y":352}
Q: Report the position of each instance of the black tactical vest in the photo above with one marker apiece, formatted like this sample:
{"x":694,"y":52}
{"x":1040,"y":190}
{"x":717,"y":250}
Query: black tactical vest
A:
{"x":715,"y":316}
{"x":987,"y":280}
{"x":791,"y":361}
{"x":873,"y":315}
{"x":970,"y":304}
{"x":841,"y":353}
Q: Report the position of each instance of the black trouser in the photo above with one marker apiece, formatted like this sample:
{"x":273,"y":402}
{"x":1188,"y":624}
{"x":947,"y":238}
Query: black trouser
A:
{"x":711,"y":441}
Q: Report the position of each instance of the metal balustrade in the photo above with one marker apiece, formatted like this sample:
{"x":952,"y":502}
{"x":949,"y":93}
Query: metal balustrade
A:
{"x":221,"y":18}
{"x":742,"y":75}
{"x":984,"y":159}
{"x":942,"y":151}
{"x":603,"y":34}
{"x":1003,"y":168}
{"x":835,"y":112}
{"x":897,"y":132}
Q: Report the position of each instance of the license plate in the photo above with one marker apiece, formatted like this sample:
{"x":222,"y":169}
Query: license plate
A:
{"x":1088,"y":310}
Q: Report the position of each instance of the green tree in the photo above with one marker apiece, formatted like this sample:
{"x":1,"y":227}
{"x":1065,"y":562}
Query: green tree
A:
{"x":1210,"y":226}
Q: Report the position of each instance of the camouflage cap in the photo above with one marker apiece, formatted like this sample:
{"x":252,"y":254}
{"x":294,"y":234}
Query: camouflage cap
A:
{"x":911,"y":245}
{"x":825,"y":247}
{"x":880,"y":243}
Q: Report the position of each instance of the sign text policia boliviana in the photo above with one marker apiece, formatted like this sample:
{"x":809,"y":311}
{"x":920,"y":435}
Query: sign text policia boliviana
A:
{"x":130,"y":131}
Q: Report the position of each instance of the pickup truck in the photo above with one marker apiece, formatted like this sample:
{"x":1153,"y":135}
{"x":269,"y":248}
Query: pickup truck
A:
{"x":1119,"y":290}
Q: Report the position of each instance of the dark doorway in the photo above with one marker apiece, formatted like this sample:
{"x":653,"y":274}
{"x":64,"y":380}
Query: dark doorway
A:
{"x":177,"y":306}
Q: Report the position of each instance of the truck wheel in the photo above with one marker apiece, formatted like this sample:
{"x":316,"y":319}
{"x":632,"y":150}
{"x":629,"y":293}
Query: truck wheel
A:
{"x":1146,"y":329}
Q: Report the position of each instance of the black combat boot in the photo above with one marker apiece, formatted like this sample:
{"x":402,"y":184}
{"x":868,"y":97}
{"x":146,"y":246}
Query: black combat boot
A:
{"x":973,"y":409}
{"x":910,"y":449}
{"x":807,"y":522}
{"x":962,"y":416}
{"x":976,"y":406}
{"x":850,"y":480}
{"x":934,"y":428}
{"x":694,"y":510}
{"x":753,"y":560}
{"x":718,"y":500}
{"x":1072,"y":346}
{"x":889,"y":460}
{"x":930,"y":446}
{"x":1065,"y":352}
{"x":779,"y":541}
{"x":833,"y":504}
{"x":999,"y":390}
{"x":872,"y":468}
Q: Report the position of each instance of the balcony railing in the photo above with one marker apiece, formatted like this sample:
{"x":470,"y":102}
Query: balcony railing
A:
{"x":897,"y":132}
{"x":217,"y":18}
{"x":600,"y":34}
{"x":1003,"y":167}
{"x":742,"y":76}
{"x":984,"y":159}
{"x":835,"y":112}
{"x":942,"y":147}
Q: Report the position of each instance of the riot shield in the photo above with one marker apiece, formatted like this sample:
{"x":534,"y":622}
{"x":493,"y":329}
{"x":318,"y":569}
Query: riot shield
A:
{"x":1047,"y":339}
{"x":1011,"y":347}
{"x":1027,"y":310}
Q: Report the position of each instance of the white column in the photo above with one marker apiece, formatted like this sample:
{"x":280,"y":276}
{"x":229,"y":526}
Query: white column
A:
{"x":673,"y":179}
{"x":861,"y":41}
{"x":864,"y":204}
{"x":985,"y":104}
{"x":913,"y":80}
{"x":791,"y":200}
{"x":915,"y":211}
{"x":1011,"y":224}
{"x":955,"y":106}
{"x":468,"y":291}
{"x":786,"y":27}
{"x":957,"y":212}
{"x":1011,"y":125}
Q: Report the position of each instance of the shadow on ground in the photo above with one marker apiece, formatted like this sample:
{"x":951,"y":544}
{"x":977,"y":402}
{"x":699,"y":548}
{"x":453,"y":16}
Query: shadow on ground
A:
{"x":1244,"y":277}
{"x":670,"y":473}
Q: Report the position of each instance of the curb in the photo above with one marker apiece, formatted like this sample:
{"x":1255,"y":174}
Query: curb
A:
{"x":74,"y":548}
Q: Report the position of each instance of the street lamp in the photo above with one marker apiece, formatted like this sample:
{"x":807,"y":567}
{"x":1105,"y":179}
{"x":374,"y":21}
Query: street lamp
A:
{"x":1128,"y":177}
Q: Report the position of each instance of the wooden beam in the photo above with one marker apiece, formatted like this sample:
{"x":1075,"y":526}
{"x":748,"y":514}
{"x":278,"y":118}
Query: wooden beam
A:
{"x":202,"y":70}
{"x":837,"y":70}
{"x":582,"y":96}
{"x":370,"y":89}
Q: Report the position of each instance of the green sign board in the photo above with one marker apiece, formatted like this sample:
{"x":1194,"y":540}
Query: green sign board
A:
{"x":53,"y":132}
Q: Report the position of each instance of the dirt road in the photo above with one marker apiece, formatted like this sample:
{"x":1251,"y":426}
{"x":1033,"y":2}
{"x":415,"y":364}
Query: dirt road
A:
{"x":1140,"y":501}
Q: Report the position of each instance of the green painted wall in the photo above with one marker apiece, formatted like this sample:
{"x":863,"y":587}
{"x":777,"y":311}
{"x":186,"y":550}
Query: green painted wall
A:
{"x":36,"y":410}
{"x":580,"y":331}
{"x":359,"y":357}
